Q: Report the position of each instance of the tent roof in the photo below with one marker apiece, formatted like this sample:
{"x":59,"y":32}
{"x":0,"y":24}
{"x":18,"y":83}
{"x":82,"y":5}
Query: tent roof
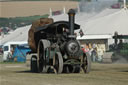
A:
{"x":117,"y":21}
{"x":20,"y":34}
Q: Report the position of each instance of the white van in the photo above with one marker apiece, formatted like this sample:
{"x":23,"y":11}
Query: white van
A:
{"x":9,"y":47}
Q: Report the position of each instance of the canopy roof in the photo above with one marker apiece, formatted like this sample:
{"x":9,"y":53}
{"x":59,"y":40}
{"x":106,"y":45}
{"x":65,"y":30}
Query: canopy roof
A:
{"x":56,"y":26}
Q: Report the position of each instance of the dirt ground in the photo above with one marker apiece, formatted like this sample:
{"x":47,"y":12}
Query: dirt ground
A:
{"x":101,"y":74}
{"x":30,"y":8}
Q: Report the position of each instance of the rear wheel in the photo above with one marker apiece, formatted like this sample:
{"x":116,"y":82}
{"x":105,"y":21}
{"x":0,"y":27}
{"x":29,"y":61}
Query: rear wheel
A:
{"x":58,"y":63}
{"x":41,"y":58}
{"x":34,"y":64}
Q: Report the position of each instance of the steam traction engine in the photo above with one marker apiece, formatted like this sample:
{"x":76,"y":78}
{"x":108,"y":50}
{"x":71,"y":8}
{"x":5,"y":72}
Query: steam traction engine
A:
{"x":58,"y":50}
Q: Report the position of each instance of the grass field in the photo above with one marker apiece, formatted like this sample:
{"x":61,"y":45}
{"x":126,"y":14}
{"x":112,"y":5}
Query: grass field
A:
{"x":31,"y":8}
{"x":101,"y":74}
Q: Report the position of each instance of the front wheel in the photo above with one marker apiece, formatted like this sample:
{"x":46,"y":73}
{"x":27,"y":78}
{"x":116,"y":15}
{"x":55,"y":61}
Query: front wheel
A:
{"x":58,"y":63}
{"x":86,"y":63}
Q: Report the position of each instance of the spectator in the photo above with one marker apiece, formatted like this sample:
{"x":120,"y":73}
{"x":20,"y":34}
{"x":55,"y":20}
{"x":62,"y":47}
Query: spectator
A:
{"x":94,"y":52}
{"x":120,"y":45}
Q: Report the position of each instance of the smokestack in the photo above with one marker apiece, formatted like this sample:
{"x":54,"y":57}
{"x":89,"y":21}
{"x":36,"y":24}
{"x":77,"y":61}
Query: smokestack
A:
{"x":71,"y":15}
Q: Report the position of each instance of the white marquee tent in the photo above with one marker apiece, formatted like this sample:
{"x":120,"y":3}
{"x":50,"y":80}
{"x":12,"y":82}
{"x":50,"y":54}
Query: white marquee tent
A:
{"x":20,"y":34}
{"x":117,"y":21}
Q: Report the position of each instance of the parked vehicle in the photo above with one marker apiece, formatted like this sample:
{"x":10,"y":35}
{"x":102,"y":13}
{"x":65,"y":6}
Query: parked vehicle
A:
{"x":8,"y":49}
{"x":116,"y":6}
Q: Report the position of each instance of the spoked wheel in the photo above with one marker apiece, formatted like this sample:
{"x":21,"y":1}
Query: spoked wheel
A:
{"x":58,"y":63}
{"x":86,"y":63}
{"x":41,"y":58}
